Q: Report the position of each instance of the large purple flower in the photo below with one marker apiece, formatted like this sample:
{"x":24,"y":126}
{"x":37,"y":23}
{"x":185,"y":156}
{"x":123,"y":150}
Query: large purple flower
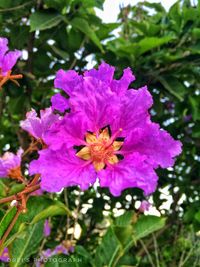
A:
{"x":108,"y":134}
{"x":7,"y":61}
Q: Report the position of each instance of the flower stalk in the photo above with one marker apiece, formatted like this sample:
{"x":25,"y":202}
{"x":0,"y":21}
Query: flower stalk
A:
{"x":21,"y":198}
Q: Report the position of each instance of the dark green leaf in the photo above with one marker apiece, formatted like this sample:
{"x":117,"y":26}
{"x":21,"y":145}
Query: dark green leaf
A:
{"x":42,"y":21}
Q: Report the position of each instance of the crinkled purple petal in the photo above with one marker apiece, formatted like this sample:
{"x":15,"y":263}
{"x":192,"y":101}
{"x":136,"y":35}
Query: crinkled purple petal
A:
{"x":134,"y":108}
{"x":10,"y":59}
{"x":104,"y":73}
{"x":32,"y":124}
{"x":36,"y":126}
{"x":3,"y":48}
{"x":156,"y":144}
{"x":60,"y":169}
{"x":67,"y":80}
{"x":67,"y":132}
{"x":97,"y":104}
{"x":120,"y":86}
{"x":133,"y":171}
{"x":59,"y":102}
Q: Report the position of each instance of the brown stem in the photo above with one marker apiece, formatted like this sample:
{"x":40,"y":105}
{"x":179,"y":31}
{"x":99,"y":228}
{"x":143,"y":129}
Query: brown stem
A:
{"x":8,"y":199}
{"x":21,"y":207}
{"x":10,"y":227}
{"x":29,"y":190}
{"x":35,"y":180}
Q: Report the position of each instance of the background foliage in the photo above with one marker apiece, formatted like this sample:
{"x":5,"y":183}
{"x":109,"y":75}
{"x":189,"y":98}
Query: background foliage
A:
{"x":163,"y":49}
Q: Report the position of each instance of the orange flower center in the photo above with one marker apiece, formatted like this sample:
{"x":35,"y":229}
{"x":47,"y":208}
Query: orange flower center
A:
{"x":101,"y":149}
{"x":15,"y":173}
{"x":9,"y":76}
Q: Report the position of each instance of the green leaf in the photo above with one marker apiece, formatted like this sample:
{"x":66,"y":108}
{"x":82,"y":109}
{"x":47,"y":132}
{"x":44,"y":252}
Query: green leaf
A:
{"x":149,"y":43}
{"x":196,"y":33}
{"x":5,"y":3}
{"x":26,"y":245}
{"x":119,"y":239}
{"x":57,"y":4}
{"x":109,"y":248}
{"x":16,"y":188}
{"x":125,"y":219}
{"x":175,"y":16}
{"x":63,"y":54}
{"x":42,"y":21}
{"x":197,"y":216}
{"x":83,"y":26}
{"x":2,"y":189}
{"x":6,"y":220}
{"x":54,"y":210}
{"x":173,"y":86}
{"x":194,"y":102}
{"x":147,"y":225}
{"x":157,"y":6}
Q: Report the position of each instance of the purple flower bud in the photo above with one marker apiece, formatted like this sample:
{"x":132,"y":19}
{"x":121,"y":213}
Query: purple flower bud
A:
{"x":5,"y":255}
{"x":187,"y":118}
{"x":144,"y":206}
{"x":47,"y":228}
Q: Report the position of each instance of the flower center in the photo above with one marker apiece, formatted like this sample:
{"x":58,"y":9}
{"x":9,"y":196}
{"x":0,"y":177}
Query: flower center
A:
{"x":100,"y":149}
{"x":9,"y":76}
{"x":15,"y":173}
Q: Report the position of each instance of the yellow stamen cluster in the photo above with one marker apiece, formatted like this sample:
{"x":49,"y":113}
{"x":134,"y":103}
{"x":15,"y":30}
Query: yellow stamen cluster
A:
{"x":100,"y":149}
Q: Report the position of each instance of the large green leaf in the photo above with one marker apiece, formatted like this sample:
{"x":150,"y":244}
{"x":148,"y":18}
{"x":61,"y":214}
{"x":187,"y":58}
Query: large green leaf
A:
{"x":26,"y":244}
{"x":149,"y":43}
{"x":173,"y":86}
{"x":83,"y":26}
{"x":42,"y":21}
{"x":108,"y":250}
{"x":195,"y":106}
{"x":53,"y":210}
{"x":6,"y":220}
{"x":122,"y":235}
{"x":5,"y":3}
{"x":39,"y":208}
{"x":147,"y":225}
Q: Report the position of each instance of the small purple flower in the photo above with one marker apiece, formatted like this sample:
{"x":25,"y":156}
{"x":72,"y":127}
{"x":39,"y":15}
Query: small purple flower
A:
{"x":5,"y":255}
{"x":7,"y":61}
{"x":170,"y":105}
{"x":108,"y":134}
{"x":37,"y":126}
{"x":59,"y":249}
{"x":10,"y":165}
{"x":144,"y":206}
{"x":187,"y":118}
{"x":47,"y":228}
